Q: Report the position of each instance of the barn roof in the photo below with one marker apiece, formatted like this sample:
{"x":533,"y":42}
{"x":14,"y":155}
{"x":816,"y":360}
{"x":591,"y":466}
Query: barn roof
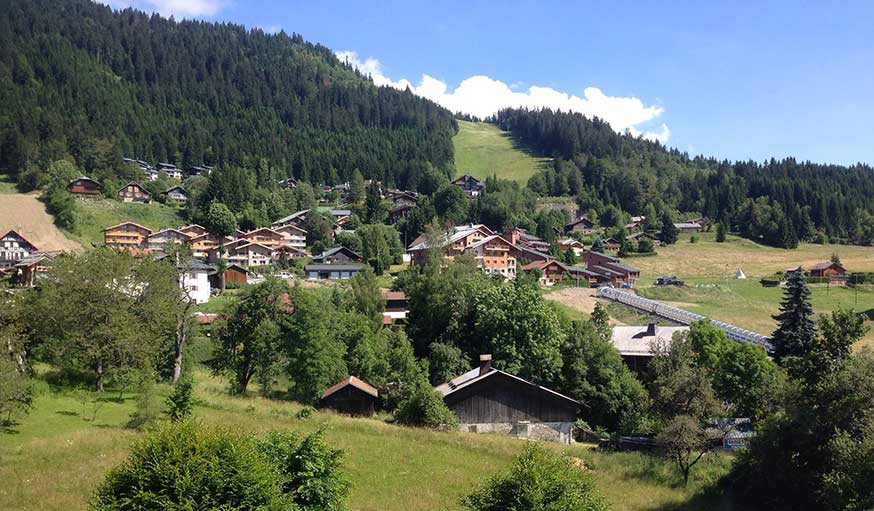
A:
{"x":473,"y":376}
{"x":19,"y":236}
{"x":355,"y":382}
{"x":394,"y":295}
{"x":827,"y":264}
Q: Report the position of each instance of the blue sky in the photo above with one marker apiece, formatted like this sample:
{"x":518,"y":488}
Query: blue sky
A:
{"x":736,"y":80}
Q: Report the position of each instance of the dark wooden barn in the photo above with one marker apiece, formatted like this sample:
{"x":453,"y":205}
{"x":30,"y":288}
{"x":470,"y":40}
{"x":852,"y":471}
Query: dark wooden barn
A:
{"x":488,"y":400}
{"x":351,"y":396}
{"x":84,"y":186}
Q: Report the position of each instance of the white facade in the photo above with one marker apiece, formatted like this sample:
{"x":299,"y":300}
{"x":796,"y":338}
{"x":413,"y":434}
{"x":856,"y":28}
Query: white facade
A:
{"x":196,"y":284}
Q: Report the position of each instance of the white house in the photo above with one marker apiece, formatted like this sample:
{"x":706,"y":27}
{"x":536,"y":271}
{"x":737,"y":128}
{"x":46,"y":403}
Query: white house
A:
{"x":194,"y":280}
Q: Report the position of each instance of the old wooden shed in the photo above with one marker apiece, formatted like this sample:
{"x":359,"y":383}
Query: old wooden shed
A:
{"x":351,"y":396}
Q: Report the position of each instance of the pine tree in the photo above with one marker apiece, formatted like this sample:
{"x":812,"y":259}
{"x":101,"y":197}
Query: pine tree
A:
{"x":796,"y":333}
{"x":669,"y":234}
{"x":721,"y":231}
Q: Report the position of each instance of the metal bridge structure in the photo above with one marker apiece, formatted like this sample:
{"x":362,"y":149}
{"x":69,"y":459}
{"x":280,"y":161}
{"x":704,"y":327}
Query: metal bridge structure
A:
{"x":680,"y":316}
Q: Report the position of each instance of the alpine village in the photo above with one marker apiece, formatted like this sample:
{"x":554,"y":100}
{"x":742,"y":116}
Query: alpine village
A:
{"x":241,"y":271}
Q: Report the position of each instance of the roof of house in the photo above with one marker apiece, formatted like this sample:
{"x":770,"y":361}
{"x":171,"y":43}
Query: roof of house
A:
{"x":827,"y":264}
{"x":35,"y":258}
{"x":580,"y":220}
{"x":394,"y":295}
{"x":262,"y":229}
{"x":335,"y":250}
{"x":133,"y":183}
{"x":178,"y":188}
{"x":457,"y":233}
{"x":287,"y":227}
{"x":488,"y":239}
{"x":354,"y":382}
{"x":687,"y":225}
{"x":162,"y":231}
{"x":293,"y":216}
{"x":335,"y":267}
{"x":531,"y":252}
{"x":636,"y":341}
{"x":19,"y":235}
{"x":543,"y":264}
{"x":473,"y":376}
{"x":468,"y":177}
{"x":83,"y":178}
{"x":128,"y":223}
{"x":616,"y":265}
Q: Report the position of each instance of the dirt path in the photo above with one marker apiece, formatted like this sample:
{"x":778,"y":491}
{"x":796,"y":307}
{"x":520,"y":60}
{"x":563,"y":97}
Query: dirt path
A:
{"x":27,"y":215}
{"x":578,"y":298}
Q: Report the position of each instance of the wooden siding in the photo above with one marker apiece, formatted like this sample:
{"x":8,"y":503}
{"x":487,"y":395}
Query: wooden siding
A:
{"x":500,"y":398}
{"x":350,"y":400}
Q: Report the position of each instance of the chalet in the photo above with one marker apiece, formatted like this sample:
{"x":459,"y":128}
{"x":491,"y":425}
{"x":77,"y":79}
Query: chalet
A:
{"x":495,"y":256}
{"x":200,"y":170}
{"x":84,"y":186}
{"x":570,"y":243}
{"x":635,"y":225}
{"x":520,"y":237}
{"x":250,"y":254}
{"x":340,"y":215}
{"x":265,"y":236}
{"x":396,"y":305}
{"x":297,"y":219}
{"x":487,"y":400}
{"x":13,"y":248}
{"x":636,"y":237}
{"x":171,"y":170}
{"x":352,"y":397}
{"x":201,"y":244}
{"x":159,"y":240}
{"x":531,"y":255}
{"x":293,"y":235}
{"x":194,"y":280}
{"x":553,"y":271}
{"x":234,"y":274}
{"x":127,"y":236}
{"x":827,"y":269}
{"x":288,"y":183}
{"x":289,"y":252}
{"x":455,"y":242}
{"x":31,"y":268}
{"x":611,"y":244}
{"x":471,"y":186}
{"x":689,"y":227}
{"x":638,"y":344}
{"x":610,"y":270}
{"x":134,"y":192}
{"x":193,"y":230}
{"x":402,"y":198}
{"x":399,"y":212}
{"x":582,"y":225}
{"x":332,"y":271}
{"x":177,"y":193}
{"x":151,"y":174}
{"x":338,"y":255}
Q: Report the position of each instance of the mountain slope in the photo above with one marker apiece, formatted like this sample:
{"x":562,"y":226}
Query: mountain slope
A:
{"x":77,"y":77}
{"x":482,"y":149}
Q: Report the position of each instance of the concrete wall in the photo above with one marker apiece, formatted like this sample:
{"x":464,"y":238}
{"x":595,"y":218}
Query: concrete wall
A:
{"x":561,"y":432}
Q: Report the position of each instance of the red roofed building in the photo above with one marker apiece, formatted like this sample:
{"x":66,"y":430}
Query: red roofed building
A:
{"x":351,"y":396}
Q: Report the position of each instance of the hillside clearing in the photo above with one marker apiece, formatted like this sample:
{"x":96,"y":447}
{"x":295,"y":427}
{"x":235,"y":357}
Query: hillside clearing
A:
{"x":57,"y":455}
{"x":27,"y":214}
{"x":482,"y":150}
{"x":94,"y":215}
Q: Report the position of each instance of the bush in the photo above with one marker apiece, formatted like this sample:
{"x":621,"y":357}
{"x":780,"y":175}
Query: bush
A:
{"x":16,"y":393}
{"x":183,"y":466}
{"x":423,"y":406}
{"x":538,"y":480}
{"x":309,"y":469}
{"x":148,"y":407}
{"x":180,"y":402}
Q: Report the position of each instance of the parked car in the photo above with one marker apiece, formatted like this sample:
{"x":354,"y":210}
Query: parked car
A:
{"x":284,"y":275}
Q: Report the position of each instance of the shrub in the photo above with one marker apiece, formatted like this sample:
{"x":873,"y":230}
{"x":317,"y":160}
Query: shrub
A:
{"x":423,"y":406}
{"x":183,"y":466}
{"x":148,"y":407}
{"x":309,"y":470}
{"x":538,"y":480}
{"x":16,"y":393}
{"x":180,"y":402}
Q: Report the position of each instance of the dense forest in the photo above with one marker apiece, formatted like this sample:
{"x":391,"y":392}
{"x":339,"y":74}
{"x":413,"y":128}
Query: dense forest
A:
{"x":77,"y":78}
{"x":779,"y":202}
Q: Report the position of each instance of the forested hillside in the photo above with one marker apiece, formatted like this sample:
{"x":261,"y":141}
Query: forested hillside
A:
{"x":777,"y":202}
{"x":77,"y":78}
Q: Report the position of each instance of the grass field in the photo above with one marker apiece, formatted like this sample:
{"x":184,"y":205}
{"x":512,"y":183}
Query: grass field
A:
{"x":482,"y":150}
{"x":708,"y":269}
{"x":27,"y":214}
{"x":96,"y":215}
{"x":58,"y":454}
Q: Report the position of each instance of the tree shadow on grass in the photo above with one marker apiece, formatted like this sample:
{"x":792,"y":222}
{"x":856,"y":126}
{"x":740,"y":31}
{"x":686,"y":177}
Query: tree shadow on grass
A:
{"x":7,"y":427}
{"x":67,"y":413}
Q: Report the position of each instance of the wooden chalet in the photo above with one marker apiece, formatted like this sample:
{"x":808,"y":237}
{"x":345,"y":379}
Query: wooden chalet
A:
{"x":193,"y":230}
{"x":289,"y":252}
{"x":611,"y":244}
{"x":352,"y":397}
{"x":160,"y":239}
{"x":127,"y":235}
{"x":338,"y":255}
{"x":265,"y":236}
{"x":398,"y":212}
{"x":689,"y":227}
{"x":609,"y":270}
{"x":177,"y":193}
{"x":84,"y":186}
{"x":297,"y":219}
{"x":29,"y":269}
{"x":396,"y":305}
{"x":582,"y":225}
{"x":827,"y":269}
{"x":234,"y":274}
{"x":250,"y":254}
{"x":471,"y":186}
{"x":402,"y":198}
{"x":13,"y":248}
{"x":637,"y":344}
{"x":495,"y":256}
{"x":570,"y":243}
{"x":553,"y":271}
{"x":134,"y":192}
{"x":487,"y":400}
{"x":294,"y":236}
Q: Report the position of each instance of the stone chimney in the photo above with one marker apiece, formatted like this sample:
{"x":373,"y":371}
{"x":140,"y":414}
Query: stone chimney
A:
{"x":485,"y":364}
{"x":651,"y":330}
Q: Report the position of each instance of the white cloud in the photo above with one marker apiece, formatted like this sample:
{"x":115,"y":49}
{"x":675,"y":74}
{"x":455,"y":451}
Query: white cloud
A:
{"x":483,"y":96}
{"x":177,"y":8}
